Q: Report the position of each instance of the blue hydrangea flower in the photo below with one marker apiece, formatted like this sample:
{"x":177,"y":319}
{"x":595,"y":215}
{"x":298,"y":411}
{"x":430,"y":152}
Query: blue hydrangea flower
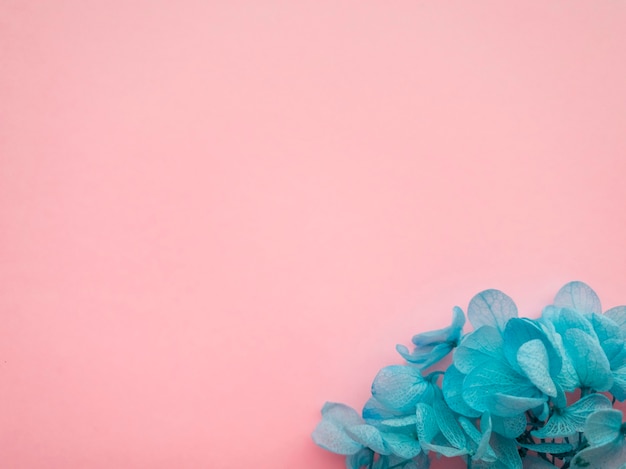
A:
{"x":507,"y":366}
{"x":518,"y":394}
{"x":431,"y":347}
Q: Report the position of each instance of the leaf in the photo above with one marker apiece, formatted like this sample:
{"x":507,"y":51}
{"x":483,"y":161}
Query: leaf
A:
{"x":491,"y":308}
{"x":578,"y":296}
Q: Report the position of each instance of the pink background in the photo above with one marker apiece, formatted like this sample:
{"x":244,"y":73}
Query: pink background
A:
{"x":214,"y":216}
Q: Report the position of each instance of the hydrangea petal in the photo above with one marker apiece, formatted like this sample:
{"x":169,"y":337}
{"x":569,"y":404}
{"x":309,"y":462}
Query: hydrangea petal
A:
{"x":567,"y":378}
{"x":506,"y":451}
{"x":368,"y":436}
{"x":427,"y":427}
{"x":491,"y":308}
{"x":509,"y":427}
{"x":448,"y":424}
{"x":404,"y":446}
{"x":609,"y":335}
{"x":618,"y":315}
{"x":426,"y":356}
{"x":332,"y":437}
{"x":478,"y":348}
{"x":486,"y":387}
{"x":358,"y":460}
{"x":578,"y":296}
{"x":400,"y":424}
{"x":519,"y":331}
{"x":589,"y":360}
{"x":374,"y":411}
{"x":445,"y":334}
{"x":532,"y":358}
{"x":452,"y":388}
{"x":564,"y":319}
{"x":399,"y":387}
{"x":604,"y":457}
{"x":619,"y":384}
{"x":572,"y":419}
{"x":507,"y":405}
{"x":603,"y":426}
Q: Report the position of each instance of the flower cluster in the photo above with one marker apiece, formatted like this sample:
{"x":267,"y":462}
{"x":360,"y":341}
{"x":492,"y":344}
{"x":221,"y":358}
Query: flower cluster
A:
{"x":518,"y":393}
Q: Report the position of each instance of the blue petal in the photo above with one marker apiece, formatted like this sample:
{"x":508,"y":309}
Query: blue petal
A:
{"x":442,"y":335}
{"x":425,"y":356}
{"x":431,"y":347}
{"x":519,"y":331}
{"x":533,"y":359}
{"x":427,"y":427}
{"x":400,"y":387}
{"x":374,"y":411}
{"x":609,"y":335}
{"x":618,"y":315}
{"x":572,"y":419}
{"x":506,"y":405}
{"x":368,"y":436}
{"x":567,"y":378}
{"x":589,"y":360}
{"x":603,"y":427}
{"x":448,"y":425}
{"x":564,"y":319}
{"x":578,"y":296}
{"x":330,"y":432}
{"x":404,"y":425}
{"x":509,"y":427}
{"x":619,"y":383}
{"x":404,"y":446}
{"x":491,"y":308}
{"x":494,"y":386}
{"x":506,"y":451}
{"x":479,"y":348}
{"x":452,"y":388}
{"x":363,"y":458}
{"x":602,"y":457}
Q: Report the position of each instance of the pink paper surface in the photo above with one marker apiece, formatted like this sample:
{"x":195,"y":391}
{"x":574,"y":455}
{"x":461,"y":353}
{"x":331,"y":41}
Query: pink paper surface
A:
{"x":214,"y":216}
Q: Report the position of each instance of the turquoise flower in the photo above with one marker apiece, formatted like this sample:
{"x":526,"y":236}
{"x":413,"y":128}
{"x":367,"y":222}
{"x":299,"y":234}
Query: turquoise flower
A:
{"x":518,"y":393}
{"x":507,"y":366}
